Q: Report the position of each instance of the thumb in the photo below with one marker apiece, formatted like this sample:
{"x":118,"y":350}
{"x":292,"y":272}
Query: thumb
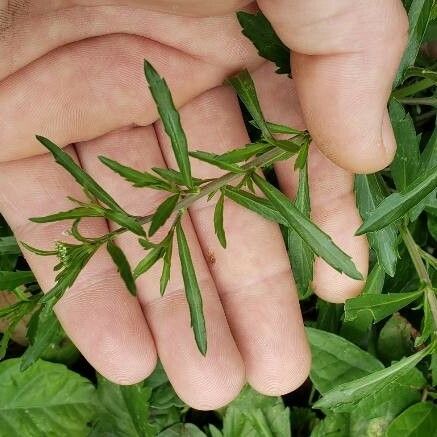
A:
{"x":345,"y":56}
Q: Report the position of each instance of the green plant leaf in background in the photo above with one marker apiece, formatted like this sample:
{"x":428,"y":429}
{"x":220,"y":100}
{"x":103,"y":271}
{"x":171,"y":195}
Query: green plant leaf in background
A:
{"x":123,"y":266}
{"x":45,"y":400}
{"x":11,"y":280}
{"x":379,"y":305}
{"x":418,"y":420}
{"x":171,"y":121}
{"x":369,"y":194}
{"x":259,"y":30}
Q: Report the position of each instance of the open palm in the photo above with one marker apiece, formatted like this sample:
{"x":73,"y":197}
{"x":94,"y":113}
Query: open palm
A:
{"x":73,"y":73}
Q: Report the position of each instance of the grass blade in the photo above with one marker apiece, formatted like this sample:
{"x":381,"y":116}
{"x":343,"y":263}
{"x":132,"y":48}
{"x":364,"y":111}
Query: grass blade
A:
{"x":192,"y":291}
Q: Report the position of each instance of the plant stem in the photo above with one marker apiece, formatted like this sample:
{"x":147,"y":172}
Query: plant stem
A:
{"x":266,"y":158}
{"x":413,"y":89}
{"x":416,"y":257}
{"x":429,"y":101}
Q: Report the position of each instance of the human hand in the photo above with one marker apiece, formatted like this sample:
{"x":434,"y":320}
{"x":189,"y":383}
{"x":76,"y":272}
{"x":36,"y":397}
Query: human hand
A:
{"x":73,"y":73}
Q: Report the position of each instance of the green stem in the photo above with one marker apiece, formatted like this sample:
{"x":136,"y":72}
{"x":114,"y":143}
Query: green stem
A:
{"x":429,"y":101}
{"x":413,"y":89}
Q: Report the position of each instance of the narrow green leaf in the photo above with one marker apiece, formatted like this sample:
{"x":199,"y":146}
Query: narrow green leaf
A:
{"x":9,"y":246}
{"x":254,"y":203}
{"x":126,"y":221}
{"x":427,"y":327}
{"x":170,"y":120}
{"x":192,"y":291}
{"x":369,"y":193}
{"x":302,"y":157}
{"x":419,"y":15}
{"x":218,"y":221}
{"x":258,"y":29}
{"x":301,"y":255}
{"x":418,"y":420}
{"x":405,"y":166}
{"x":123,"y":266}
{"x":245,"y":88}
{"x":422,"y":72}
{"x":344,"y":397}
{"x":166,"y":269}
{"x":72,"y":214}
{"x":379,"y":305}
{"x":137,"y":178}
{"x":86,"y":181}
{"x":320,"y":243}
{"x":275,"y":128}
{"x":173,"y":176}
{"x":215,"y":160}
{"x":162,"y":213}
{"x":289,"y":146}
{"x":243,"y":154}
{"x":397,"y":205}
{"x":11,"y":280}
{"x":148,"y":261}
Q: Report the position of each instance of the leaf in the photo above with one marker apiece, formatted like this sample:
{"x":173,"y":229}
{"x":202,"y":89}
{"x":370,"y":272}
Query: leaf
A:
{"x":192,"y":291}
{"x":182,"y":429}
{"x":162,"y":213}
{"x":405,"y":166}
{"x":46,"y":331}
{"x":174,"y":177}
{"x":137,"y":178}
{"x":9,"y":246}
{"x":258,"y":29}
{"x":337,"y":361}
{"x":45,"y":400}
{"x":11,"y":280}
{"x":218,"y":221}
{"x":319,"y":242}
{"x":302,"y":157}
{"x":427,"y":327}
{"x":344,"y":397}
{"x":148,"y":261}
{"x":379,"y":305}
{"x":419,"y":15}
{"x":72,"y":214}
{"x":245,"y":88}
{"x":86,"y":181}
{"x":166,"y":269}
{"x":244,"y":153}
{"x":275,"y":128}
{"x":418,"y":420}
{"x":369,"y":194}
{"x":170,"y":120}
{"x":254,"y":203}
{"x":301,"y":255}
{"x":125,"y":221}
{"x":397,"y":205}
{"x":123,"y":266}
{"x":215,"y":160}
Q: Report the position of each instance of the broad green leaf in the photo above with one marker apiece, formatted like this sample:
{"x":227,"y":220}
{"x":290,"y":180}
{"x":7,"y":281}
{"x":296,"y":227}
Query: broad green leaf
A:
{"x":216,"y":160}
{"x":358,"y":330}
{"x":46,"y":331}
{"x":45,"y":400}
{"x":182,"y":429}
{"x":218,"y":221}
{"x":125,"y":221}
{"x":337,"y":361}
{"x":397,"y":205}
{"x":245,"y":88}
{"x":419,"y":15}
{"x":254,"y":203}
{"x":417,"y":421}
{"x":9,"y":246}
{"x":379,"y":305}
{"x":170,"y":120}
{"x":192,"y":291}
{"x":258,"y":29}
{"x":11,"y":280}
{"x":243,"y":154}
{"x":166,"y":268}
{"x":395,"y":339}
{"x":162,"y":213}
{"x":319,"y":242}
{"x":334,"y":425}
{"x":72,"y":214}
{"x":85,"y":180}
{"x":123,"y":266}
{"x":344,"y":397}
{"x":328,"y":316}
{"x":123,"y":410}
{"x":405,"y":166}
{"x":137,"y":178}
{"x":369,"y":194}
{"x":148,"y":261}
{"x":301,"y":255}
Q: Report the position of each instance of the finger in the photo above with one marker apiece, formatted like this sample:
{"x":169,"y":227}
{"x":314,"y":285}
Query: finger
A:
{"x":333,"y":206}
{"x":203,"y":382}
{"x":253,"y":273}
{"x":345,"y":58}
{"x":84,"y":90}
{"x":99,"y":315}
{"x":45,"y":27}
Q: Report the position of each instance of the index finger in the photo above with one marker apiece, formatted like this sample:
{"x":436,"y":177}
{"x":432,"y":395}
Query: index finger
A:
{"x":346,"y":54}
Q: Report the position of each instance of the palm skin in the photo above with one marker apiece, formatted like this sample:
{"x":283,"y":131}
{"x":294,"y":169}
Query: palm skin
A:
{"x":73,"y":73}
